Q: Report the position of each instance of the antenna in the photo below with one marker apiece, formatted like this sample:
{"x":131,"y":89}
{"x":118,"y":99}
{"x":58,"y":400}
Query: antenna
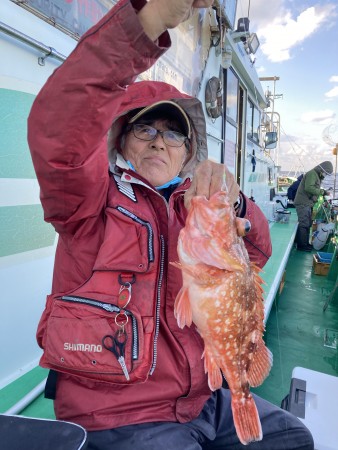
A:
{"x":330,"y":137}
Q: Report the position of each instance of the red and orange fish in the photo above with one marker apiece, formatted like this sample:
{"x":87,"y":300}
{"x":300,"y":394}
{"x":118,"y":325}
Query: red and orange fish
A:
{"x":223,"y":296}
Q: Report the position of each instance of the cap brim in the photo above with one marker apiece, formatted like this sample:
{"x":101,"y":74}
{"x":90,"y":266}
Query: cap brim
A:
{"x":171,"y":108}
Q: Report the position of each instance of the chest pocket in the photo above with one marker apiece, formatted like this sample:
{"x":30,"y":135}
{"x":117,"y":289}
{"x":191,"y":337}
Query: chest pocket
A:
{"x":128,"y":243}
{"x":99,"y":331}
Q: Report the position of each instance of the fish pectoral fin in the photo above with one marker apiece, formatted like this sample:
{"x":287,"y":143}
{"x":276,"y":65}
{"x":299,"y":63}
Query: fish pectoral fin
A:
{"x":215,"y":379}
{"x":182,"y":308}
{"x":260,"y":365}
{"x":246,"y":420}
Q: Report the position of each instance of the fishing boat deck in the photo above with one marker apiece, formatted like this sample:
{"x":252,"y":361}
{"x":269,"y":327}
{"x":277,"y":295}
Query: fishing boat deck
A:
{"x":298,"y":332}
{"x":295,"y":325}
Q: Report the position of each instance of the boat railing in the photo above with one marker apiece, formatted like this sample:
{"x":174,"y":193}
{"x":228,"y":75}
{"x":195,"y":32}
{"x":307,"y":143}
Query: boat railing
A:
{"x":48,"y":51}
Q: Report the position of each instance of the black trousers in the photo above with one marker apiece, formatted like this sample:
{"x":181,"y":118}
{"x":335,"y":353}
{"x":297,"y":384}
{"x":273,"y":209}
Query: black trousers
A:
{"x":212,"y":430}
{"x":304,"y":214}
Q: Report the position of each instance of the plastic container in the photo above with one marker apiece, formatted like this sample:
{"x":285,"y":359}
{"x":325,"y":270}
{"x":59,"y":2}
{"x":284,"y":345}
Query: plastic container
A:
{"x":321,"y":263}
{"x":325,"y":257}
{"x":282,"y":216}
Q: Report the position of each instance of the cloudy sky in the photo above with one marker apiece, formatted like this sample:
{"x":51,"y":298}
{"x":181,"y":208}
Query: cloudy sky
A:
{"x":299,"y":44}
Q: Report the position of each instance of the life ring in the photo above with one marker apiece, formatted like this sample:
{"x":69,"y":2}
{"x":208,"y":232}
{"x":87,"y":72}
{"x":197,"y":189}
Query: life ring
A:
{"x":214,"y":97}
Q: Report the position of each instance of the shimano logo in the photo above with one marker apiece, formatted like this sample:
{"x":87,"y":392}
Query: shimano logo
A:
{"x":82,"y":347}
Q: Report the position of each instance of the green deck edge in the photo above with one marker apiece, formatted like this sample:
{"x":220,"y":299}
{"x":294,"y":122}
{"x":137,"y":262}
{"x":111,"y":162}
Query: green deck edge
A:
{"x":15,"y":391}
{"x":282,"y":237}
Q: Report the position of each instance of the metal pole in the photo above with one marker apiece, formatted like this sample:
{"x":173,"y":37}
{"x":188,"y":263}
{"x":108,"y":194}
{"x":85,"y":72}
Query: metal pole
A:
{"x":49,"y":51}
{"x":27,"y":399}
{"x":274,"y":79}
{"x":335,"y":151}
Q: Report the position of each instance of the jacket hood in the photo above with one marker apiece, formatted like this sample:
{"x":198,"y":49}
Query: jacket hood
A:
{"x":325,"y":167}
{"x":145,"y":93}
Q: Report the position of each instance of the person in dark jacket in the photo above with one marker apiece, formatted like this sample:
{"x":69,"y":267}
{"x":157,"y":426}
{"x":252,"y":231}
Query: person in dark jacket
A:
{"x":307,"y":194}
{"x":118,"y":163}
{"x":292,"y":190}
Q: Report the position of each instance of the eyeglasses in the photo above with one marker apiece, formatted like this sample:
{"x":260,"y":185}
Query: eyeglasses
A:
{"x":148,"y":133}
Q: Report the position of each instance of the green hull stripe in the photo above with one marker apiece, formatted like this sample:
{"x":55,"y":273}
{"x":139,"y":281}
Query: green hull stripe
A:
{"x":22,"y":229}
{"x":15,"y":156}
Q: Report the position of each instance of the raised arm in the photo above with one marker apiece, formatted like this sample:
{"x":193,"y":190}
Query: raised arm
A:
{"x":70,"y":118}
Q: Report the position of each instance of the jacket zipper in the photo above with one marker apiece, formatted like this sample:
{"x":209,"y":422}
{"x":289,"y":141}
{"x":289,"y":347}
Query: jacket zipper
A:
{"x":112,"y":309}
{"x":158,"y":305}
{"x":145,"y":224}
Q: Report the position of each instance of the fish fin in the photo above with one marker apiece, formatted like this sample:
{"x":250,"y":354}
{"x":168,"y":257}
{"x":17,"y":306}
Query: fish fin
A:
{"x":215,"y":379}
{"x":246,"y":420}
{"x":260,"y":365}
{"x":182,"y":308}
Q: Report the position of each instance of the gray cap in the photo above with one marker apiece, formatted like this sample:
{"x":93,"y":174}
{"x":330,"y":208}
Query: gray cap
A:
{"x":169,"y":107}
{"x":326,"y":167}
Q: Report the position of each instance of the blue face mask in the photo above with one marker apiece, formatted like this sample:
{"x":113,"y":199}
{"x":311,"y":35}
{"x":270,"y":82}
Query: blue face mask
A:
{"x":175,"y":180}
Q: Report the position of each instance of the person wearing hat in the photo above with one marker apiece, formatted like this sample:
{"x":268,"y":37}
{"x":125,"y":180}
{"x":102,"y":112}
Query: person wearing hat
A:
{"x":118,"y":163}
{"x":307,"y":194}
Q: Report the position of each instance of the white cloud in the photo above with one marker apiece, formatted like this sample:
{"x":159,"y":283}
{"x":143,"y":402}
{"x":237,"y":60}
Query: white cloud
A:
{"x":284,"y":32}
{"x":259,"y":14}
{"x":334,"y":79}
{"x":332,"y":93}
{"x":323,"y":116}
{"x":300,"y":154}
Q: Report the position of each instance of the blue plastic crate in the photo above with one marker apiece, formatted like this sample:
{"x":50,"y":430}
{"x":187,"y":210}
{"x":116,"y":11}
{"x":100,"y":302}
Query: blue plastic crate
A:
{"x":324,"y":257}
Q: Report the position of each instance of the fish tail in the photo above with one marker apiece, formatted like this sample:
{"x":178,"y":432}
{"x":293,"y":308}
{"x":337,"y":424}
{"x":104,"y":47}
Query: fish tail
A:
{"x":246,"y":419}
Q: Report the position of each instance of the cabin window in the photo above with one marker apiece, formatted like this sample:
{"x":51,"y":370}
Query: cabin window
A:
{"x":231,"y":122}
{"x":232,"y":96}
{"x":230,"y":144}
{"x":253,"y":121}
{"x":73,"y":17}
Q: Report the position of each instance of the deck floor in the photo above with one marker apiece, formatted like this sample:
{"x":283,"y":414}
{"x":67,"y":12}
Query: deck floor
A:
{"x":296,"y":327}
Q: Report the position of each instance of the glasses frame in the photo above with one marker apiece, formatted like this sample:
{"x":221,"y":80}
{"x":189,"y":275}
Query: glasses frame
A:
{"x":159,"y":132}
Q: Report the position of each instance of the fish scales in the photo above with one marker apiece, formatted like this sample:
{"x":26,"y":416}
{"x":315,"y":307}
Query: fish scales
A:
{"x":222,"y":294}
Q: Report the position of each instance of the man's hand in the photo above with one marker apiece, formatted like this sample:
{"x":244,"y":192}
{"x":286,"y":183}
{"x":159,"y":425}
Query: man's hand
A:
{"x":208,"y":179}
{"x":158,"y":16}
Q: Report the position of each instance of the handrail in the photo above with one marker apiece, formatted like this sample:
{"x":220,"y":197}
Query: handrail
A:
{"x":27,"y":399}
{"x":49,"y":51}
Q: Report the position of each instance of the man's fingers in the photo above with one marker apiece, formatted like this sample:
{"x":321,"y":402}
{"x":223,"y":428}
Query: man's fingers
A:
{"x":208,"y":179}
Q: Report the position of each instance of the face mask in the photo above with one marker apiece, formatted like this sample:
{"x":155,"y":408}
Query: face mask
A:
{"x":175,"y":180}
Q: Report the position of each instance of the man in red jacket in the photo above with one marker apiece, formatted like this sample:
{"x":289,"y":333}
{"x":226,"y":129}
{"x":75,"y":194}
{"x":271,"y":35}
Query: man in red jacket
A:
{"x":118,"y":210}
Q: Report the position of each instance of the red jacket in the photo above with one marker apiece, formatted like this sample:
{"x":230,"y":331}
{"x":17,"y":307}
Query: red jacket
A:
{"x":68,"y":128}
